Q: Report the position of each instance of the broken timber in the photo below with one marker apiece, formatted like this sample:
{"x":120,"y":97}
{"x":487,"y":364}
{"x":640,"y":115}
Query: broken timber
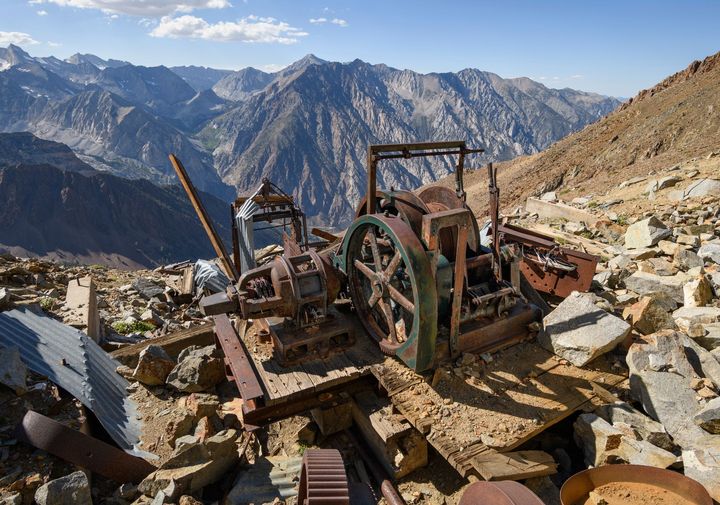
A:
{"x":215,"y":239}
{"x":524,"y":391}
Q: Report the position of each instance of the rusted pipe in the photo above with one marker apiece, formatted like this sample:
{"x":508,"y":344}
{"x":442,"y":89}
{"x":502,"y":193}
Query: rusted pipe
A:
{"x":387,"y":488}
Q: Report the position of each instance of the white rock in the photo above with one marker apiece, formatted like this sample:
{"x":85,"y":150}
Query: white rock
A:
{"x":579,"y":331}
{"x":646,"y":233}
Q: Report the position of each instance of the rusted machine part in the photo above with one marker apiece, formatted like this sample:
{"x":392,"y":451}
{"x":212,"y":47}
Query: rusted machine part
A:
{"x":440,"y":198}
{"x":81,"y":450}
{"x":405,"y":204}
{"x":323,"y":479}
{"x":548,"y":267}
{"x":385,"y":261}
{"x":237,"y":360}
{"x":215,"y":239}
{"x":576,"y":488}
{"x":502,"y":492}
{"x":386,"y":486}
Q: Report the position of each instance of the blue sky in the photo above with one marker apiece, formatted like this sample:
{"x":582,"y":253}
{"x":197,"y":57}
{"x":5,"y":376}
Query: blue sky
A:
{"x":610,"y":47}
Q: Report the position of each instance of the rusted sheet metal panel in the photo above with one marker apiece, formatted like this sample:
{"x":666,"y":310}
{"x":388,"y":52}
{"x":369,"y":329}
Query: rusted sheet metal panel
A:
{"x":238,"y":359}
{"x":80,"y":449}
{"x":544,"y":277}
{"x":70,"y":359}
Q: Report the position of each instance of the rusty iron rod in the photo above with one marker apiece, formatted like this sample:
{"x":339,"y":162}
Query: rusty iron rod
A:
{"x":386,"y":486}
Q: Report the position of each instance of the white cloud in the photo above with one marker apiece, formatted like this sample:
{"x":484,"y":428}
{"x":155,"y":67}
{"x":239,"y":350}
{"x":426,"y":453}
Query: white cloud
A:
{"x":54,"y":44}
{"x":577,"y":76}
{"x":42,"y":13}
{"x":250,"y":29}
{"x":17,"y":38}
{"x":147,"y":8}
{"x":322,"y":21}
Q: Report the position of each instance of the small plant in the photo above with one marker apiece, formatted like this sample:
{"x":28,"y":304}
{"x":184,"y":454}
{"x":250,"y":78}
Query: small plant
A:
{"x":47,"y":303}
{"x":124,"y":328}
{"x":593,"y":204}
{"x":622,"y":220}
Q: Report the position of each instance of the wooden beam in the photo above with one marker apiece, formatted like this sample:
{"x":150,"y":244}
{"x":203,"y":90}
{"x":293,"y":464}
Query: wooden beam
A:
{"x":173,"y":343}
{"x":215,"y":239}
{"x":514,"y":465}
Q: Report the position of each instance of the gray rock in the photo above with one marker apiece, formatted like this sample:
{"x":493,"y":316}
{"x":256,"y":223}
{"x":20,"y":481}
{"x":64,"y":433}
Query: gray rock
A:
{"x":579,"y":331}
{"x":154,"y":366}
{"x":605,"y":444}
{"x":697,"y":292}
{"x":550,"y":196}
{"x":703,"y":465}
{"x":194,"y":466}
{"x":644,"y":283}
{"x":646,"y":428}
{"x":73,"y":489}
{"x":12,"y":498}
{"x":13,"y":372}
{"x":646,"y":233}
{"x":686,"y":317}
{"x":649,"y":315}
{"x":661,"y":375}
{"x":686,"y":259}
{"x":708,"y":418}
{"x":198,"y":369}
{"x":147,"y":288}
{"x":710,"y":251}
{"x":710,"y":338}
{"x":698,"y":189}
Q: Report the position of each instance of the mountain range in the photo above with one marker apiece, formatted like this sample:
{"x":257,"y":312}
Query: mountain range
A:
{"x":305,"y":127}
{"x":55,"y":205}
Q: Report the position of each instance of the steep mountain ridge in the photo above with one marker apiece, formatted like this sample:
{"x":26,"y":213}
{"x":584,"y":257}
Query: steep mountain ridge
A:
{"x":672,"y":123}
{"x":309,"y":127}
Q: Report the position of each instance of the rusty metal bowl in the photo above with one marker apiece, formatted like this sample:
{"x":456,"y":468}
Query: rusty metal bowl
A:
{"x":504,"y":492}
{"x":577,"y":488}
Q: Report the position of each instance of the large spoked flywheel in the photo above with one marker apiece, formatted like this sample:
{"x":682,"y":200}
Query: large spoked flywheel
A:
{"x":392,"y":287}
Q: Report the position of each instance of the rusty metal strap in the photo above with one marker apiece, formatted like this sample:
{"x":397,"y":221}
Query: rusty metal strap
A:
{"x":80,"y":449}
{"x":238,"y":359}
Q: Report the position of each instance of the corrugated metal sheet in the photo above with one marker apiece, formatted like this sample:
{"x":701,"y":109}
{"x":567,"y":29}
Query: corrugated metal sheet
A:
{"x":246,"y":233}
{"x":70,"y":359}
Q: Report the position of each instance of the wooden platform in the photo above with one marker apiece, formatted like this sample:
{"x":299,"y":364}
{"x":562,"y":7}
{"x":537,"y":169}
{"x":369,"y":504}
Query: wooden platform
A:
{"x":284,"y":384}
{"x":473,"y":412}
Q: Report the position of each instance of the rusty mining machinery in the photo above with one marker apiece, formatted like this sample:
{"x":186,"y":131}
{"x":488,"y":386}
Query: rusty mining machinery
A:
{"x":412,"y":263}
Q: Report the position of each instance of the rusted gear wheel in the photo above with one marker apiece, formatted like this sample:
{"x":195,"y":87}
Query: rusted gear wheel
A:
{"x":392,"y":287}
{"x":323,"y":479}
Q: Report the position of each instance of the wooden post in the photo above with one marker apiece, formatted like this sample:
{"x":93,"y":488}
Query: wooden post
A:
{"x":215,"y":240}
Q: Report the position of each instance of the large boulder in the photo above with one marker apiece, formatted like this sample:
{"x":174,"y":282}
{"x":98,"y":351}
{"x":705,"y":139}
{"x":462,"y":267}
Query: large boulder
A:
{"x":649,"y":315}
{"x":580,"y":331}
{"x":154,"y":366}
{"x":198,"y":369}
{"x":644,"y":283}
{"x":645,"y":428}
{"x":71,"y":489}
{"x":698,"y":189}
{"x":194,"y":465}
{"x":605,"y":444}
{"x":703,"y":465}
{"x":646,"y":233}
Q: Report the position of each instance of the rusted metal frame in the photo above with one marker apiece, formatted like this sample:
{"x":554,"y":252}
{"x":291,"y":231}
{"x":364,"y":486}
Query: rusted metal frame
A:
{"x":459,"y":184}
{"x":81,"y":449}
{"x":413,"y":150}
{"x":481,"y":336}
{"x":259,"y":415}
{"x":246,"y":378}
{"x":432,"y":224}
{"x":215,"y":239}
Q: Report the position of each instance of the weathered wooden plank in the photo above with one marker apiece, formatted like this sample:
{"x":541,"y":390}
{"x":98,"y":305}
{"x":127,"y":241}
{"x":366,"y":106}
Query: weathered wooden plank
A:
{"x":513,"y":465}
{"x":173,"y":343}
